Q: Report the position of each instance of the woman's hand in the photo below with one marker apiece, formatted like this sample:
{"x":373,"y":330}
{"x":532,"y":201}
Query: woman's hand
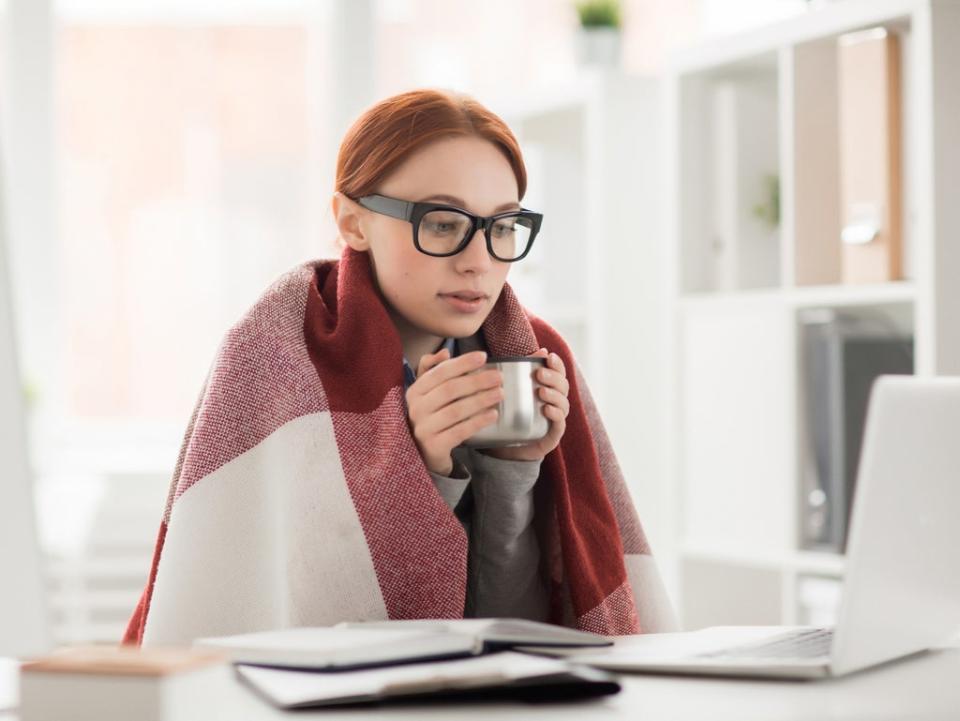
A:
{"x":449,"y":402}
{"x":553,"y":393}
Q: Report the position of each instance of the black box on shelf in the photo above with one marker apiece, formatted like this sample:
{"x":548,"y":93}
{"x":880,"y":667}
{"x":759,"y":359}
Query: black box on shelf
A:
{"x":843,"y":354}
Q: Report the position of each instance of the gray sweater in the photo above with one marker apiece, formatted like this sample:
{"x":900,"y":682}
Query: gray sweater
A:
{"x":493,"y":499}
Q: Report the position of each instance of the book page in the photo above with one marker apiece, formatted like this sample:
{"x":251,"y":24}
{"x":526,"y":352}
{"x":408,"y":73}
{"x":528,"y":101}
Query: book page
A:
{"x":500,"y":631}
{"x":310,"y":639}
{"x":337,"y":646}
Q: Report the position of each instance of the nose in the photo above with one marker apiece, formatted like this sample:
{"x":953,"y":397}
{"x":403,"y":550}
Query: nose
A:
{"x":474,"y":257}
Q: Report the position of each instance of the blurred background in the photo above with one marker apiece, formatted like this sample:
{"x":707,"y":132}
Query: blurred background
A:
{"x":165,"y":160}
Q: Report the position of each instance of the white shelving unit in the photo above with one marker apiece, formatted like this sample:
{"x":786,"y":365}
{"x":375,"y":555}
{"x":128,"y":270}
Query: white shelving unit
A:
{"x":581,"y":149}
{"x":740,"y":110}
{"x":592,"y":148}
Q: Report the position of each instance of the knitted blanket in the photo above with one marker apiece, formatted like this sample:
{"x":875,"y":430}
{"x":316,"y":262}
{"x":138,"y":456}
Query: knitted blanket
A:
{"x":300,"y":498}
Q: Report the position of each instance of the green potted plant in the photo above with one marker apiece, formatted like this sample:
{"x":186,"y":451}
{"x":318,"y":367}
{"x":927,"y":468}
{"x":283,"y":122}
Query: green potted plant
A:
{"x":598,"y":40}
{"x":769,"y":210}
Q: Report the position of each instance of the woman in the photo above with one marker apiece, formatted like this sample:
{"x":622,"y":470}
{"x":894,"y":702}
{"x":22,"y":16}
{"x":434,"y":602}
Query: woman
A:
{"x":322,"y":479}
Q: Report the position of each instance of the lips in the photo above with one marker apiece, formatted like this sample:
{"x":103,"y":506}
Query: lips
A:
{"x":468,"y":302}
{"x":466,"y":295}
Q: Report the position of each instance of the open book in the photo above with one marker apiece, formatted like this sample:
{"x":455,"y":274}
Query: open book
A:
{"x":385,"y":643}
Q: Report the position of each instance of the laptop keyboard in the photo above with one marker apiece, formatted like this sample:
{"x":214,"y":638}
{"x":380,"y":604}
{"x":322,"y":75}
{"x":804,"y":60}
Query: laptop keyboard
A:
{"x":811,"y":643}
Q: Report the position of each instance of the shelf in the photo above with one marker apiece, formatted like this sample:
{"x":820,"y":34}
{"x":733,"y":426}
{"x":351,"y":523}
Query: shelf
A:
{"x":731,"y":238}
{"x":744,"y":48}
{"x":834,"y":296}
{"x":747,"y":353}
{"x":760,"y":153}
{"x":822,"y":563}
{"x":852,"y":295}
{"x":693,"y":301}
{"x":830,"y":564}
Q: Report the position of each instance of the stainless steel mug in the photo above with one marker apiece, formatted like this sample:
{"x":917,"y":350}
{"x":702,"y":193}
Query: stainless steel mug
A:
{"x":520,"y":420}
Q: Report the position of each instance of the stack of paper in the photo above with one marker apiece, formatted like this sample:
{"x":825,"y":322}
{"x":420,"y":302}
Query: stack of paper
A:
{"x":375,"y":661}
{"x":507,"y":675}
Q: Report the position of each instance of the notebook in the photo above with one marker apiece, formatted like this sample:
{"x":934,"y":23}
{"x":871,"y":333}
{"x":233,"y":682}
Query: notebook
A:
{"x":384,"y":643}
{"x":504,"y":675}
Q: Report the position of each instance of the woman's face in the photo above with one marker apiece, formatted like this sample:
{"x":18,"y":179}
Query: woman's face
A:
{"x":470,"y":173}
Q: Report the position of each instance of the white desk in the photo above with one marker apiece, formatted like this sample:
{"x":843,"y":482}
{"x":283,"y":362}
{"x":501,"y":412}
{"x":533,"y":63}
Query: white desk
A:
{"x":920,"y":688}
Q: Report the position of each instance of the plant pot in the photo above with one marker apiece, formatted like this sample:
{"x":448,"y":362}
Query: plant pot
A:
{"x":599,"y":46}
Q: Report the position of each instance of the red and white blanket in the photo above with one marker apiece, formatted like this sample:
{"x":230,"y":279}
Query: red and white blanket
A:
{"x":300,"y":498}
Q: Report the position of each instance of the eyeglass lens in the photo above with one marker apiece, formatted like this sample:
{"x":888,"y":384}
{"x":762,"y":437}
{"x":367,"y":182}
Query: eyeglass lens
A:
{"x":441,"y":231}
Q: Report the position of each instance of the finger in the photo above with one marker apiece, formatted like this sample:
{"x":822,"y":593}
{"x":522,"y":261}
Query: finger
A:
{"x":555,"y":399}
{"x":442,"y":371}
{"x":556,"y":362}
{"x":558,"y":425}
{"x":460,"y":410}
{"x":461,"y":387}
{"x":554,"y":412}
{"x":557,"y":428}
{"x":541,"y":353}
{"x":457,"y":434}
{"x":553,"y":379}
{"x":432,"y":359}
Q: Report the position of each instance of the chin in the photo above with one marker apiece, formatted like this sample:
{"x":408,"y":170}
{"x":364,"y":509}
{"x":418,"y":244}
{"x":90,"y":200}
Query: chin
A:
{"x":460,"y":328}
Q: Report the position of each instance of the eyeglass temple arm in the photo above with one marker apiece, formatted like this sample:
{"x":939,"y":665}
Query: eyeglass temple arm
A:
{"x":388,"y":206}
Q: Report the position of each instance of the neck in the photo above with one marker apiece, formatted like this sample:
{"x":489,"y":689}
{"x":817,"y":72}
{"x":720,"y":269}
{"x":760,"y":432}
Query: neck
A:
{"x":415,"y":342}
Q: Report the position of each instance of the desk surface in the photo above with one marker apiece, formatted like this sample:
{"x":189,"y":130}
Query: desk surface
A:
{"x":920,"y":688}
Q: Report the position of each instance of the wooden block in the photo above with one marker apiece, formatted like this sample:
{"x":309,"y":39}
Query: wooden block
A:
{"x":107,"y":683}
{"x":816,"y":139}
{"x":870,"y":176}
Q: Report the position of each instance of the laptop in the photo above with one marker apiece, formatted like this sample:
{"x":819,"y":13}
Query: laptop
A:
{"x":24,"y":623}
{"x":901,"y":590}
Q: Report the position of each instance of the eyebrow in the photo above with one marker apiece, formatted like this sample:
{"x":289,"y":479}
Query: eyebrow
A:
{"x":459,"y":202}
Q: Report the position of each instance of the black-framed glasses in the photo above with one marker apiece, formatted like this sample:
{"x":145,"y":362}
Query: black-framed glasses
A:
{"x":444,"y":230}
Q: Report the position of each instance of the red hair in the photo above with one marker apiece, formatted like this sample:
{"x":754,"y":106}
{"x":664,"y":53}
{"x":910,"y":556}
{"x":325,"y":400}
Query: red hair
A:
{"x":389,"y":132}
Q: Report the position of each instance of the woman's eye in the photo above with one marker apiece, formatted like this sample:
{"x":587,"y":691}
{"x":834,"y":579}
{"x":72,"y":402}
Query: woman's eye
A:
{"x":502,"y":229}
{"x":440,"y":223}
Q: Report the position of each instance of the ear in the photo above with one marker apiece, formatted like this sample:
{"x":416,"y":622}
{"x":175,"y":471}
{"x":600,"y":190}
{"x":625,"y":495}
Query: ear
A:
{"x":347,"y":214}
